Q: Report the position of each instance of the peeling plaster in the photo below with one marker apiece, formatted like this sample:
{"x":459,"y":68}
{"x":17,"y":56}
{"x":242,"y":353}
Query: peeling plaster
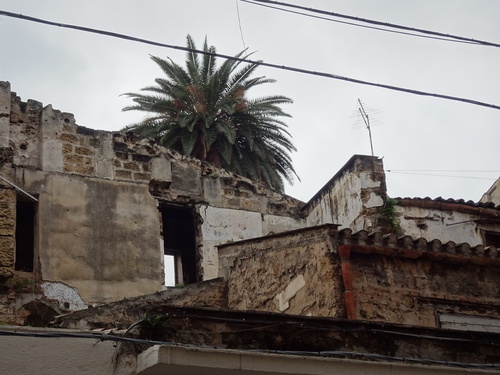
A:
{"x":63,"y":294}
{"x":282,"y":299}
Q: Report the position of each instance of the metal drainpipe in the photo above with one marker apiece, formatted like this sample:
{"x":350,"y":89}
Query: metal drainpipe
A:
{"x":350,"y":306}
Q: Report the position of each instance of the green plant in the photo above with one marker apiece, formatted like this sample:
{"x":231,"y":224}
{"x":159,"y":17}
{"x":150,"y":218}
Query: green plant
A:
{"x":389,"y":211}
{"x":203,"y":110}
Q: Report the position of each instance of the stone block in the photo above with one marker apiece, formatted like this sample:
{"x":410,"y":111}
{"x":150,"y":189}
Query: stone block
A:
{"x":69,"y":138}
{"x":6,"y":272}
{"x":7,"y":212}
{"x":67,"y":149}
{"x":131,"y":166}
{"x":84,"y":151}
{"x":142,"y":176}
{"x":161,"y":169}
{"x":123,"y":174}
{"x":7,"y":251}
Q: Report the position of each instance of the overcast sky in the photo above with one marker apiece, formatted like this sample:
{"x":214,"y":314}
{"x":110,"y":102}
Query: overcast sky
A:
{"x":85,"y":74}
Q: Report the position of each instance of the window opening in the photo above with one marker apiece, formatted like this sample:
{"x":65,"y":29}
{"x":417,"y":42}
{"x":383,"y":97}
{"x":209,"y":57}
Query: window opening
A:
{"x":492,"y":239}
{"x":179,"y":244}
{"x":25,"y":235}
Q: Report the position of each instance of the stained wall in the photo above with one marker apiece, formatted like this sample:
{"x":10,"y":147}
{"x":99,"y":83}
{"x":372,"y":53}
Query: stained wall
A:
{"x":98,"y":229}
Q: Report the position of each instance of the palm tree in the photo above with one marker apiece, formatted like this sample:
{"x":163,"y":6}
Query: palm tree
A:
{"x":203,"y":111}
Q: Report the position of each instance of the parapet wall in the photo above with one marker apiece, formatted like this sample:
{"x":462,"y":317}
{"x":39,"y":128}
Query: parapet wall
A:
{"x":353,"y":198}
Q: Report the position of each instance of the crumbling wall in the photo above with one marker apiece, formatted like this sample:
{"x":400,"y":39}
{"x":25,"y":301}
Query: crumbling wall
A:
{"x":294,"y":273}
{"x":98,"y":225}
{"x":353,"y":198}
{"x":446,"y":221}
{"x":236,"y":209}
{"x":438,"y":224}
{"x":409,"y":291}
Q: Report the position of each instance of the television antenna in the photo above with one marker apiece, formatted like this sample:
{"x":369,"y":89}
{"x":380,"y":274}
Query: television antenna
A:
{"x":366,"y":120}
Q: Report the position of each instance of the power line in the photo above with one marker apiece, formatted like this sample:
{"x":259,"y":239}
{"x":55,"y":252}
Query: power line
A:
{"x":239,"y":24}
{"x":245,"y":60}
{"x":443,"y":170}
{"x":379,"y":23}
{"x":442,"y":175}
{"x":356,"y":24}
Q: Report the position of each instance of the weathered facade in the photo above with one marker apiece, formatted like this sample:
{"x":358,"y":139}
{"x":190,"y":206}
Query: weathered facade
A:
{"x":373,"y":277}
{"x":87,"y":216}
{"x":353,"y":198}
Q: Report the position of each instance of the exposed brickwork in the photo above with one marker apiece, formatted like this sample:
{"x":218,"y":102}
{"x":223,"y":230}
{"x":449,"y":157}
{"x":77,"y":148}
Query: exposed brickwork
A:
{"x":78,"y":149}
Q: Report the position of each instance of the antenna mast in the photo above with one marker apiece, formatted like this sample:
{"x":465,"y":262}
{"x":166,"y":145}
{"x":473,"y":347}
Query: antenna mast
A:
{"x":366,"y":119}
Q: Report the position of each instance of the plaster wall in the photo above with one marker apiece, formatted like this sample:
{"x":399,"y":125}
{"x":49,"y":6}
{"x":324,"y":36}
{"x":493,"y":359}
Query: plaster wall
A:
{"x":438,"y":224}
{"x":352,"y":198}
{"x":63,"y":355}
{"x":100,"y":237}
{"x":223,"y":225}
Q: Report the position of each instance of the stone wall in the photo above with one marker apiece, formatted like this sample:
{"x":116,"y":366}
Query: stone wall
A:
{"x":7,"y":231}
{"x":98,"y":227}
{"x":352,"y":198}
{"x":408,"y":291}
{"x":320,"y":271}
{"x":294,"y":273}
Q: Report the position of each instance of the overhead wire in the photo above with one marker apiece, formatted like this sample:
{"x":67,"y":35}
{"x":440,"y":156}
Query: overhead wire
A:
{"x":239,"y":24}
{"x":379,"y":23}
{"x":445,"y":170}
{"x":441,"y":175}
{"x":356,"y":24}
{"x":246,"y":60}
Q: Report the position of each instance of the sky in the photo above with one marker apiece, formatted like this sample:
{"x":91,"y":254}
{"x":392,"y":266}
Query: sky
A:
{"x":426,"y":143}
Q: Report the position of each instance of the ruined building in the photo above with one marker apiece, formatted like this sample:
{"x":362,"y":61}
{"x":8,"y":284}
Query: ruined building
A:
{"x":89,"y":220}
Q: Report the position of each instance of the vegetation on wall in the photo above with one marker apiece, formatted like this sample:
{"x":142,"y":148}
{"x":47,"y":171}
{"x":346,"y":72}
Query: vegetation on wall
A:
{"x":203,"y":110}
{"x":389,"y":211}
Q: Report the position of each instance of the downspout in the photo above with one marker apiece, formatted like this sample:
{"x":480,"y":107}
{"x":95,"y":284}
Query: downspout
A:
{"x":350,"y":306}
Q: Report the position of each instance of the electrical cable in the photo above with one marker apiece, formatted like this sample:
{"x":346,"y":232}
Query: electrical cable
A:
{"x":107,"y":337}
{"x":442,"y":175}
{"x":358,"y":25}
{"x":261,"y":63}
{"x":443,"y":170}
{"x":379,"y":23}
{"x":310,"y":327}
{"x":239,"y":24}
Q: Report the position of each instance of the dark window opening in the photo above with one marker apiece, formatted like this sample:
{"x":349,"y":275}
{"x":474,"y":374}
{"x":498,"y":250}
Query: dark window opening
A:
{"x":492,"y":239}
{"x":25,"y":235}
{"x":179,"y":243}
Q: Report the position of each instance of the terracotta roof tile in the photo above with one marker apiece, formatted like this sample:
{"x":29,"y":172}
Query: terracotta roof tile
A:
{"x":390,"y":244}
{"x":490,"y":205}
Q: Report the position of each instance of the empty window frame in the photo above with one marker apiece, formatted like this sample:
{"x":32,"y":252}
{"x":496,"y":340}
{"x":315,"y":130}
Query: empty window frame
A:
{"x":25,"y":235}
{"x":491,"y":238}
{"x":179,"y":244}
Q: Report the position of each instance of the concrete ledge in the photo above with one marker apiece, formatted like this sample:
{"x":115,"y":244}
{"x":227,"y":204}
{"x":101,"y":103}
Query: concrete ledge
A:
{"x":177,"y":360}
